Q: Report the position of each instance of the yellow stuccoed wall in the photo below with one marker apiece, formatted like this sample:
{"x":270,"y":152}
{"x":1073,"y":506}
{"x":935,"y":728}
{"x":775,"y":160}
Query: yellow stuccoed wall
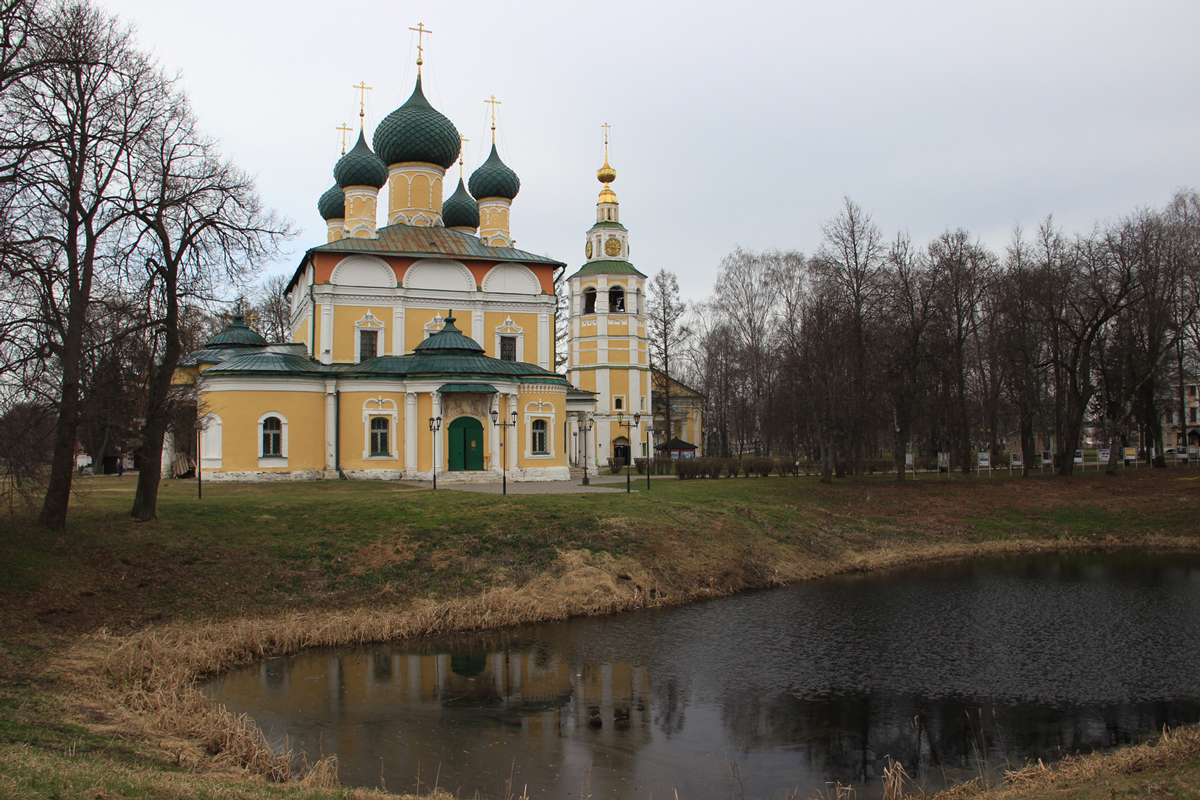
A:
{"x":353,"y":430}
{"x":554,"y":413}
{"x":344,"y":318}
{"x":414,"y":190}
{"x":528,"y":323}
{"x":239,"y":413}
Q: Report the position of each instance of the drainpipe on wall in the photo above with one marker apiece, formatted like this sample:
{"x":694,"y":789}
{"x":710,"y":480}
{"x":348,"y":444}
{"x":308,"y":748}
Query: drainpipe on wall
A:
{"x":312,"y":297}
{"x":337,"y":433}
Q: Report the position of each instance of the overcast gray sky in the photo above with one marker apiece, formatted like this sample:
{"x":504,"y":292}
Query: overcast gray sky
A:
{"x":733,"y":124}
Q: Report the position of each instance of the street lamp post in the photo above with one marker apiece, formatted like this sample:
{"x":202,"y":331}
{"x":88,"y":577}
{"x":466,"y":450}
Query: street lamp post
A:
{"x":588,"y":424}
{"x":629,"y":426}
{"x":199,"y":480}
{"x":649,"y":458}
{"x":504,"y":456}
{"x":435,"y":425}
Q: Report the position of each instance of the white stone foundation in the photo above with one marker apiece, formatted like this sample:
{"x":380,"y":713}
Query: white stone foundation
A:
{"x":460,"y":476}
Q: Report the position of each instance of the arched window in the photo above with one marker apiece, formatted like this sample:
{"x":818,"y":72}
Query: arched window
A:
{"x":380,"y":429}
{"x":616,"y":299}
{"x":272,"y":437}
{"x":539,"y":446}
{"x":589,"y":300}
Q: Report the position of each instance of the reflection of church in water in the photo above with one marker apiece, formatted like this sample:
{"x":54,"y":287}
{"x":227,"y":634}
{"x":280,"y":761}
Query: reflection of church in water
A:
{"x":428,"y":345}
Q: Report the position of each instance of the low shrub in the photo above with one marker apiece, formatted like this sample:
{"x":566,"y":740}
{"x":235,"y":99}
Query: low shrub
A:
{"x":761,"y":466}
{"x":688,"y":468}
{"x":617,"y":465}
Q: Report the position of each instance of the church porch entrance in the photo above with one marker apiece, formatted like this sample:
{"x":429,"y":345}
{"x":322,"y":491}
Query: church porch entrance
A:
{"x":464,"y":443}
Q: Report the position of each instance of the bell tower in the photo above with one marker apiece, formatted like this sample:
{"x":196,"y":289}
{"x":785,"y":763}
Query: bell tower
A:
{"x":609,"y":350}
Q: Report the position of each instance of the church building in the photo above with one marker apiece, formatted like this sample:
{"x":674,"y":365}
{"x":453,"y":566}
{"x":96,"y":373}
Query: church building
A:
{"x":426,"y":347}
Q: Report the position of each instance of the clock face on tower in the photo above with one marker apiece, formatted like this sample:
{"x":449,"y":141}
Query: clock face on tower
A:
{"x":588,"y":248}
{"x":612,"y":246}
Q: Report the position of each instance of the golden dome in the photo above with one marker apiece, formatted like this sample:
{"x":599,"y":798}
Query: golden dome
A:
{"x":607,"y":195}
{"x":606,"y":174}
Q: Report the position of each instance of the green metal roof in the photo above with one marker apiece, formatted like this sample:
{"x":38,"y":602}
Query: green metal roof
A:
{"x":607,"y":267}
{"x":423,"y":242}
{"x":270,"y":364}
{"x":416,"y":131}
{"x":494,"y":178}
{"x":607,"y":224}
{"x":468,"y":387}
{"x":410,"y":240}
{"x":360,"y":167}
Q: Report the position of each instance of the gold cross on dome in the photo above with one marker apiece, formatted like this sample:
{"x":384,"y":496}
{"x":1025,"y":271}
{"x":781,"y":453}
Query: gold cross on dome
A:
{"x":344,"y":128}
{"x":606,"y":126}
{"x":362,"y":99}
{"x":462,"y":140}
{"x":421,"y":31}
{"x":493,"y":102}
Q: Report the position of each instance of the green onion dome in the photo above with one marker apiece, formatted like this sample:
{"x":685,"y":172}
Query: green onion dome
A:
{"x":360,"y":167}
{"x":332,"y":204}
{"x":416,"y":131}
{"x":460,"y":210}
{"x":494,"y":179}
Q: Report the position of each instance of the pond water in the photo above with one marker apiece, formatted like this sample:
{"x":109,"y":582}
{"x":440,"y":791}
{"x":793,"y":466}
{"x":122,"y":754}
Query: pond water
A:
{"x":954,"y":670}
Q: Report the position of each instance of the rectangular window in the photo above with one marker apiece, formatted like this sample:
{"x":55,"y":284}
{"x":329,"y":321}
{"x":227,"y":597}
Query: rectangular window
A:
{"x":367,"y":341}
{"x":1192,"y":414}
{"x":272,"y":434}
{"x":508,"y":348}
{"x":619,"y":403}
{"x":379,"y":437}
{"x":540,"y":447}
{"x":1192,"y":390}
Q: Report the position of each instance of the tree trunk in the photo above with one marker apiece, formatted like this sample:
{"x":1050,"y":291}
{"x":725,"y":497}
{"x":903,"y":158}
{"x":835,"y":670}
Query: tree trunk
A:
{"x":158,"y":408}
{"x":66,"y":429}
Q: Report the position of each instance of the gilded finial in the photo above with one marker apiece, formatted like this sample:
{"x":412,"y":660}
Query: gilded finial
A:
{"x":494,"y":102}
{"x":362,"y":101}
{"x":462,"y":140}
{"x":421,"y":31}
{"x":606,"y":174}
{"x":344,"y":128}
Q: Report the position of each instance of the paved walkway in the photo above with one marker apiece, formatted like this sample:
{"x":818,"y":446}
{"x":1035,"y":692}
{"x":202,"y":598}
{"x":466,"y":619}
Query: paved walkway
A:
{"x":604,"y":484}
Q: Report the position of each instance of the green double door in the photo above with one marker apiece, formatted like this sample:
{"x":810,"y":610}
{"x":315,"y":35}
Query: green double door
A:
{"x":465,"y":444}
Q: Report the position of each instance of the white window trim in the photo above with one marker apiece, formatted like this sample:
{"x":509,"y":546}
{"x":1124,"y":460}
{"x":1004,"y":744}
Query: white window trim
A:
{"x":210,"y":442}
{"x":380,"y":407}
{"x":509,"y":328}
{"x":369,"y":322}
{"x":280,"y":460}
{"x":624,"y":409}
{"x":545,"y":411}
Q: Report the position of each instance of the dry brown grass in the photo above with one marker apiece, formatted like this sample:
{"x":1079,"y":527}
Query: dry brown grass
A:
{"x":145,"y":682}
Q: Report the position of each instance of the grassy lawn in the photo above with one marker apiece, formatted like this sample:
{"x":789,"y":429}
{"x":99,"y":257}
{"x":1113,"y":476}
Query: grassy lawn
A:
{"x":264,"y":550}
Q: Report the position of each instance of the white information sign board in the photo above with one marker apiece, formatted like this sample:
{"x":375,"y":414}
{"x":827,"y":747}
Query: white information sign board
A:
{"x":1078,"y":456}
{"x":1103,"y":455}
{"x":985,"y":460}
{"x":1016,"y":460}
